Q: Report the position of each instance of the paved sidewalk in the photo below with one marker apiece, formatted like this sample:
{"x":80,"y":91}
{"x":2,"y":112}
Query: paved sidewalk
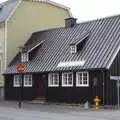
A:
{"x":9,"y":111}
{"x":47,"y":106}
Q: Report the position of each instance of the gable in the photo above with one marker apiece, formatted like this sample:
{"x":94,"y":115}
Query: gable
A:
{"x":8,"y":8}
{"x":78,"y":43}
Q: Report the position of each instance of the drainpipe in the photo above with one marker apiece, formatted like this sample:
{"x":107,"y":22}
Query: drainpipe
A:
{"x":5,"y":46}
{"x":103,"y":87}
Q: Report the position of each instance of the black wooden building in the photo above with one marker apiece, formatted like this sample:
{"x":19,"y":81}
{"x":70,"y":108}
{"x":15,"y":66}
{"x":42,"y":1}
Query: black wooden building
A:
{"x":69,"y":64}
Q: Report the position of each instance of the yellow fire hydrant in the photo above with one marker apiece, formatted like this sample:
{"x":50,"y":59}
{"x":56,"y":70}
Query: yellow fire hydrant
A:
{"x":97,"y":102}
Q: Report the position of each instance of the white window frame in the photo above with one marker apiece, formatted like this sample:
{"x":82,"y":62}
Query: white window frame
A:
{"x":77,"y":81}
{"x":50,"y":78}
{"x":16,"y":81}
{"x":28,"y":77}
{"x":73,"y":48}
{"x":67,"y":85}
{"x":25,"y":57}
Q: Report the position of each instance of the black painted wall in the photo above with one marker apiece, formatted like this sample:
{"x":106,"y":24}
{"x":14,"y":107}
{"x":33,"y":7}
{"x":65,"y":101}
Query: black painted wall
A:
{"x":81,"y":94}
{"x":12,"y":93}
{"x":99,"y":84}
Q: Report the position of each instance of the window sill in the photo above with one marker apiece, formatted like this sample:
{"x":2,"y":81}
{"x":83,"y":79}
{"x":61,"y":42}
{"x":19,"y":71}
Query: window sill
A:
{"x":67,"y":85}
{"x":27,"y":86}
{"x":16,"y":86}
{"x":82,"y":85}
{"x":53,"y":85}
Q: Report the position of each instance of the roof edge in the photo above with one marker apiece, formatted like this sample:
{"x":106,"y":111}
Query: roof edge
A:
{"x":101,"y":18}
{"x":89,"y":69}
{"x":55,"y":4}
{"x":113,"y":58}
{"x":5,"y":2}
{"x":12,"y":12}
{"x":35,"y":46}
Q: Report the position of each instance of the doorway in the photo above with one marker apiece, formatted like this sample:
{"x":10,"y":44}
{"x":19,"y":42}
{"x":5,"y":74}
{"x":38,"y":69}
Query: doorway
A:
{"x":40,"y":87}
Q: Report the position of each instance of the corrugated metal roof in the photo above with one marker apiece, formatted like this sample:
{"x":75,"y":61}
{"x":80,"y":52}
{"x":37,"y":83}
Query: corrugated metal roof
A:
{"x":103,"y":42}
{"x":7,"y":8}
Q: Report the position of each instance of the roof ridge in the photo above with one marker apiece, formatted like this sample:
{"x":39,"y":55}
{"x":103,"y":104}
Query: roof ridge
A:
{"x":8,"y":2}
{"x":46,"y":30}
{"x":52,"y":2}
{"x":55,"y":4}
{"x":106,"y":17}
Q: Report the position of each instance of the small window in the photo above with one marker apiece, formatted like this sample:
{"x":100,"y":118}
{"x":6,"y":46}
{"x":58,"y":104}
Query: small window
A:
{"x":67,"y":79}
{"x":24,"y":57}
{"x":17,"y":80}
{"x":73,"y":49}
{"x":28,"y":80}
{"x":82,"y":79}
{"x":53,"y":80}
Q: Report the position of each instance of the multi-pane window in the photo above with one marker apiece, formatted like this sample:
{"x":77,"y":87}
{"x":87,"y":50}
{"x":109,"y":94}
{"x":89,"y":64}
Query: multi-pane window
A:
{"x":27,"y":80}
{"x":17,"y":80}
{"x":73,"y":49}
{"x":53,"y":80}
{"x":82,"y":79}
{"x":67,"y":79}
{"x":24,"y":57}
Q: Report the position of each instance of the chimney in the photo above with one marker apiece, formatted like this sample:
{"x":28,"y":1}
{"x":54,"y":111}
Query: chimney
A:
{"x":70,"y":22}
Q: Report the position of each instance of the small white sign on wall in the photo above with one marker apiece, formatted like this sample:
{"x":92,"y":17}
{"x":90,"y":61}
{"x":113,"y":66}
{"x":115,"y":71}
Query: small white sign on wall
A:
{"x":115,"y":77}
{"x":71,"y":63}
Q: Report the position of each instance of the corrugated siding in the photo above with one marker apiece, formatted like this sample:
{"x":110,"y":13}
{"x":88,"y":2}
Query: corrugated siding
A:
{"x":104,"y":40}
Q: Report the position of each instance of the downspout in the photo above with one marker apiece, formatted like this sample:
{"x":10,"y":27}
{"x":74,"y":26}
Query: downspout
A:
{"x":5,"y":47}
{"x":103,"y":83}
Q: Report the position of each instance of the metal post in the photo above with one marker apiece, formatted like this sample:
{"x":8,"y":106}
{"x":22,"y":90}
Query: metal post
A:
{"x":103,"y":90}
{"x":118,"y":93}
{"x":20,"y":92}
{"x":20,"y":69}
{"x":19,"y":103}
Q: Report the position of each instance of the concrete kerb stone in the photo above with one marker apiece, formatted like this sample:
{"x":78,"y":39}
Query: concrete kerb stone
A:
{"x":71,"y":106}
{"x":65,"y":105}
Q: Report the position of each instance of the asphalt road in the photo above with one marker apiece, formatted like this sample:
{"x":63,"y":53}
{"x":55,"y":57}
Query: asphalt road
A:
{"x":10,"y":111}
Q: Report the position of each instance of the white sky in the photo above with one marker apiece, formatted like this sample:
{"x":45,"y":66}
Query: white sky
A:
{"x":91,"y":9}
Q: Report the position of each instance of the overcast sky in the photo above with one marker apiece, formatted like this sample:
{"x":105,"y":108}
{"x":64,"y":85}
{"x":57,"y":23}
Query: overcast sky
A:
{"x":91,"y":9}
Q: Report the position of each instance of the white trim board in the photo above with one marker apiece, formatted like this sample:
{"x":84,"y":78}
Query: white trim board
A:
{"x":114,"y":56}
{"x":35,"y":46}
{"x":10,"y":15}
{"x":55,"y":4}
{"x":52,"y":3}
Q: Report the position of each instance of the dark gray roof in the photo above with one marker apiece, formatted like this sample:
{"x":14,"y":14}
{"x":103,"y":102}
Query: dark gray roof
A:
{"x":7,"y":9}
{"x":99,"y":50}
